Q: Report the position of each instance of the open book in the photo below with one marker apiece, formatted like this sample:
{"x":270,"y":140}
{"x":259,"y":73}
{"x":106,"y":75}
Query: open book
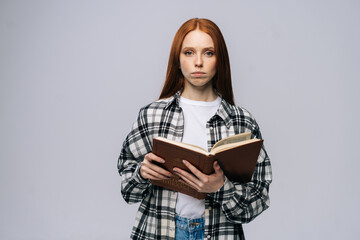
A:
{"x":237,"y":156}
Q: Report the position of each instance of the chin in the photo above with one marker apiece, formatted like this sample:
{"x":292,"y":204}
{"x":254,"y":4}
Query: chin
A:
{"x":200,"y":82}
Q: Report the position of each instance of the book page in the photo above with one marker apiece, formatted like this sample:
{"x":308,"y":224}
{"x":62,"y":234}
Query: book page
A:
{"x":232,"y":139}
{"x":185,"y":145}
{"x":225,"y":147}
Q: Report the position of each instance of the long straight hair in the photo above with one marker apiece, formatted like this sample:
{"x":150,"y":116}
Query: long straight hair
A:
{"x":221,"y":81}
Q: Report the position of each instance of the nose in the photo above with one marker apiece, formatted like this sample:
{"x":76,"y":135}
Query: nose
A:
{"x":198,"y":61}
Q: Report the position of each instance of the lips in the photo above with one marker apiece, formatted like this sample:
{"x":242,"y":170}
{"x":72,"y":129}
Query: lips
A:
{"x":198,"y":74}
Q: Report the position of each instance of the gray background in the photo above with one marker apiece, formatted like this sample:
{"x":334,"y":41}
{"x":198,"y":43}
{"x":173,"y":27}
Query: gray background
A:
{"x":75,"y":73}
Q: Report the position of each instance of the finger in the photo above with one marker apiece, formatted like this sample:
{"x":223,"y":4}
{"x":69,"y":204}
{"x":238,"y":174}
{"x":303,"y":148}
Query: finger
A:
{"x":151,"y":169}
{"x":188,"y":177}
{"x":158,"y":169}
{"x":185,"y":174}
{"x":218,"y":171}
{"x":193,"y":186}
{"x":195,"y":171}
{"x":152,"y":177}
{"x":158,"y":172}
{"x":153,"y":157}
{"x":148,"y":161}
{"x":217,"y":168}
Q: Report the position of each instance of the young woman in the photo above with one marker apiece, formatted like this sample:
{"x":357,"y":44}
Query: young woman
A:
{"x":196,"y":106}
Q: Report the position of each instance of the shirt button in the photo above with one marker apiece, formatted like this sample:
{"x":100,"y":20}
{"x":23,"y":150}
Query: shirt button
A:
{"x":208,"y":237}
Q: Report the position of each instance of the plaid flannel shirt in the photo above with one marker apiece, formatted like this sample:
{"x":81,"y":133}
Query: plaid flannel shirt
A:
{"x":226,"y":209}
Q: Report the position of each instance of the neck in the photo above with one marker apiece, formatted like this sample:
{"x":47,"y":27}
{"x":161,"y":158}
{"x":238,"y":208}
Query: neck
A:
{"x":206,"y":95}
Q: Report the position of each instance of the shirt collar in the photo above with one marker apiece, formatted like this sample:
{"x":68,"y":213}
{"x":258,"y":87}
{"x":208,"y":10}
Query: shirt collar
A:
{"x":174,"y":99}
{"x":225,"y":110}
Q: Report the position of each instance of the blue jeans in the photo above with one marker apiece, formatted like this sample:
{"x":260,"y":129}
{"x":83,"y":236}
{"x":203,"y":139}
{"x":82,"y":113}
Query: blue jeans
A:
{"x":192,"y":229}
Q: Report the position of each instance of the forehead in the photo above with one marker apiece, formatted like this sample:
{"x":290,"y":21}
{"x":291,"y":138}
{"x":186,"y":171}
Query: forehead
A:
{"x":198,"y":39}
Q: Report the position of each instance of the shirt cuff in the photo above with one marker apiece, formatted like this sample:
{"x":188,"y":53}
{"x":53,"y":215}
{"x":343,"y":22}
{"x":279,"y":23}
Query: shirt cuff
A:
{"x":225,"y":193}
{"x":137,"y":176}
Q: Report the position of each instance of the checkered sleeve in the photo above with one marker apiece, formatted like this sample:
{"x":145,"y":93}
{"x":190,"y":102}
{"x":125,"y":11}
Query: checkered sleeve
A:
{"x":241,"y":203}
{"x":136,"y":145}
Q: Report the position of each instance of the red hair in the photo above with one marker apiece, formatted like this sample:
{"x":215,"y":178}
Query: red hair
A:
{"x":221,"y":81}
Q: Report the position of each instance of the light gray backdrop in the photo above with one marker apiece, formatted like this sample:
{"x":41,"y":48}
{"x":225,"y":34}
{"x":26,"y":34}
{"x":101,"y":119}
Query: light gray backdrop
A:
{"x":75,"y":73}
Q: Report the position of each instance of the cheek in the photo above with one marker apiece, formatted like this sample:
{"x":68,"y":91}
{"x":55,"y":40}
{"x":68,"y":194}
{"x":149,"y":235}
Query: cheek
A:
{"x":212,"y":66}
{"x":184,"y":65}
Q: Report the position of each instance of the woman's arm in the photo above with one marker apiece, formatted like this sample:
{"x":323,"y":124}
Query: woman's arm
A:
{"x":136,"y":162}
{"x":241,"y":203}
{"x":133,"y":187}
{"x":136,"y":145}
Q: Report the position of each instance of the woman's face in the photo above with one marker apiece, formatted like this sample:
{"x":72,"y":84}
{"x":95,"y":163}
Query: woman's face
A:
{"x":198,"y":60}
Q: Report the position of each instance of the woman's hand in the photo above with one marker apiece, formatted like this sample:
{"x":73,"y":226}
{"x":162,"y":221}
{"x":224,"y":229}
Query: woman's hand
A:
{"x":149,"y":170}
{"x":202,"y":182}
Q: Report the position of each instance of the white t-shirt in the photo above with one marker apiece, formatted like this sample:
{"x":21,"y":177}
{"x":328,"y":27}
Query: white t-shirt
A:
{"x":196,"y":115}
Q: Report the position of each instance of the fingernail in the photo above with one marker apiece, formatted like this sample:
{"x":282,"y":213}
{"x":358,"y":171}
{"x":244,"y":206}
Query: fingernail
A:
{"x":184,"y":162}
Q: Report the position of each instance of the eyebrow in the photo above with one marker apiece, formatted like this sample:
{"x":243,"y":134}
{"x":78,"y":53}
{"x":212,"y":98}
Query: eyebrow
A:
{"x":206,"y":48}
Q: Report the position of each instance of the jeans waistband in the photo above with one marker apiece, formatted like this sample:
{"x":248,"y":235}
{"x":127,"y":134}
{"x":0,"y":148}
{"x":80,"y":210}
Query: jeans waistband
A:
{"x":189,"y":224}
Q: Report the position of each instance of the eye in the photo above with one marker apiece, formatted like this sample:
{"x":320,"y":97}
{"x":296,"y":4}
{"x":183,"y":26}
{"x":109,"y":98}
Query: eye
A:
{"x":188,"y":53}
{"x":209,"y":53}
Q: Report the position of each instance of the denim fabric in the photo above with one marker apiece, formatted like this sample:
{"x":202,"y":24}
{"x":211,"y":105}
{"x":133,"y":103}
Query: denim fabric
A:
{"x":192,"y":229}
